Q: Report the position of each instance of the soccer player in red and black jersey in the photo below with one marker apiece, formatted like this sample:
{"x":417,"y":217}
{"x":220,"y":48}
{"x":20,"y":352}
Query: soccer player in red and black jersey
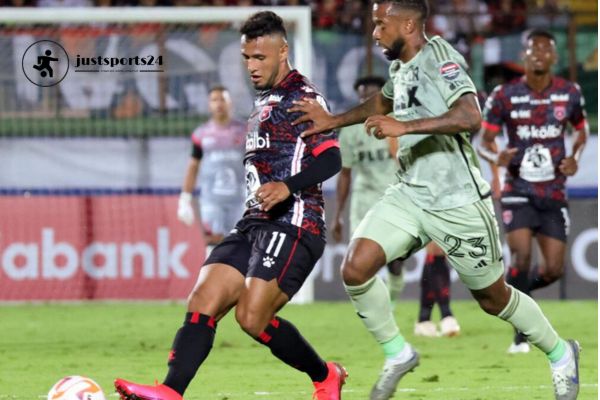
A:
{"x":535,"y":111}
{"x":266,"y":258}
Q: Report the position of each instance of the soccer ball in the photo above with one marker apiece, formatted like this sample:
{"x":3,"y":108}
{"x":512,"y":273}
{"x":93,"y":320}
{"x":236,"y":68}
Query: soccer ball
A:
{"x":76,"y":388}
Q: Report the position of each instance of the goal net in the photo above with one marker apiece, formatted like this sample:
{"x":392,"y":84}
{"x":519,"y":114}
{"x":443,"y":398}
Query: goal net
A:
{"x":97,"y":106}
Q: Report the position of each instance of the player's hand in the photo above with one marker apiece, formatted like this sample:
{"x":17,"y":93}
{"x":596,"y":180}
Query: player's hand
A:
{"x":506,"y":155}
{"x":185,"y":211}
{"x":568,"y":166}
{"x":313,"y":112}
{"x":382,"y":126}
{"x":271,"y":193}
{"x":336,"y":229}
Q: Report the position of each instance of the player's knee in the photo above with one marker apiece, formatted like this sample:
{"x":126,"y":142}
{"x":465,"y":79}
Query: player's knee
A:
{"x":251,"y":322}
{"x":195,"y":300}
{"x":553,"y":272}
{"x":352,"y":272}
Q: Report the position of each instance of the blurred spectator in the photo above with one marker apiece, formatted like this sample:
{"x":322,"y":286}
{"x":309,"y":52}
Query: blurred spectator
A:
{"x":129,"y":105}
{"x":460,"y":21}
{"x":352,"y":18}
{"x":17,"y":3}
{"x":64,"y":3}
{"x":550,"y":15}
{"x":508,"y":16}
{"x":326,"y":14}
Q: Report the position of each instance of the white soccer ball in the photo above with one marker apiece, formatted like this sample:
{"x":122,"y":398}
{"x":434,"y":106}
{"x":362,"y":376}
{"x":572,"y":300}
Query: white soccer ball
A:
{"x":76,"y":388}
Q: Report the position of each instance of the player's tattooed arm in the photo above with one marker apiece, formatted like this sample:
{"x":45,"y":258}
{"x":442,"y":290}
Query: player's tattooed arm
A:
{"x":463,"y":116}
{"x":323,"y":121}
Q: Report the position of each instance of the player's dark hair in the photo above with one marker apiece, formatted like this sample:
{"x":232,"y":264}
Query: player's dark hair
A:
{"x":368,"y":81}
{"x":421,"y":6}
{"x":540,"y":33}
{"x":263,"y":23}
{"x":217,"y":88}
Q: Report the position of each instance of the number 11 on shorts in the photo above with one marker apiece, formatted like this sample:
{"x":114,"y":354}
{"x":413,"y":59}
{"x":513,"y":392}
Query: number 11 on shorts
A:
{"x":279,"y":243}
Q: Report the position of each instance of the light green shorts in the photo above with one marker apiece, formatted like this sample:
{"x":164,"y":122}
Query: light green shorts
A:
{"x":467,"y":234}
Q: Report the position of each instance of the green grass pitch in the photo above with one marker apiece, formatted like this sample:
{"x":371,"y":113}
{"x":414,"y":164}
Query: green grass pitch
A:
{"x":41,"y":343}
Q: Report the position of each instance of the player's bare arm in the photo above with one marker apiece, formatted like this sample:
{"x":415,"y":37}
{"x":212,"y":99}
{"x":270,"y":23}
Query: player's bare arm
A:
{"x":342,"y":191}
{"x":569,"y":165}
{"x":463,"y":116}
{"x":323,"y":121}
{"x":488,"y":150}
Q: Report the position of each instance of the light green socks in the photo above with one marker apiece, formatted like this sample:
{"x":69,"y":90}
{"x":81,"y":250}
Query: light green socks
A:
{"x":526,"y":316}
{"x":372,"y":304}
{"x":395,"y":285}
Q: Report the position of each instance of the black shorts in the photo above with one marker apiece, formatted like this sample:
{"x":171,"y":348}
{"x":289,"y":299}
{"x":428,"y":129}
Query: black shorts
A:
{"x":545,"y":216}
{"x":270,"y":250}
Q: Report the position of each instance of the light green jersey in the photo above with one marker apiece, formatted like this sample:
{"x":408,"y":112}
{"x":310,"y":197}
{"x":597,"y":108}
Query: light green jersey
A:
{"x":437,"y":172}
{"x":373,"y":169}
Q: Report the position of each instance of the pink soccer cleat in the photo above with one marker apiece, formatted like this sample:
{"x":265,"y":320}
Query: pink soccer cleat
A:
{"x":133,"y":391}
{"x":331,"y":387}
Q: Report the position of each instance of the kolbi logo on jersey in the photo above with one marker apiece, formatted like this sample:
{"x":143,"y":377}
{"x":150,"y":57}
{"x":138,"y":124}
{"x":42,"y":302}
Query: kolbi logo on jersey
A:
{"x":255,"y":141}
{"x":538,"y":132}
{"x":450,"y":70}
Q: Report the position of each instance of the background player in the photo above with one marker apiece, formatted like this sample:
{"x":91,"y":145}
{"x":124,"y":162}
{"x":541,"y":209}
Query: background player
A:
{"x":218,"y":153}
{"x":441,"y":195}
{"x":263,"y":262}
{"x":535,"y":111}
{"x":368,"y":167}
{"x":435,"y":289}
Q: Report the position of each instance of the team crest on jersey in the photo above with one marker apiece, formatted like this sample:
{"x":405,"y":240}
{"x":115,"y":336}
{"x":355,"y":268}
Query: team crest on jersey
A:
{"x":265,"y":113}
{"x":450,"y":70}
{"x":507,"y":216}
{"x":560,"y":112}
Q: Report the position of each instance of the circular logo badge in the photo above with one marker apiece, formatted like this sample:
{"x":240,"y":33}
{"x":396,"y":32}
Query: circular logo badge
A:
{"x":450,"y":70}
{"x":45,"y":63}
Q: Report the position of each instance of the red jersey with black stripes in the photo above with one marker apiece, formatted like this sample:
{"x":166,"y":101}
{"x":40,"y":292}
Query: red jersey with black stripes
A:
{"x":275,"y":151}
{"x":535,"y":124}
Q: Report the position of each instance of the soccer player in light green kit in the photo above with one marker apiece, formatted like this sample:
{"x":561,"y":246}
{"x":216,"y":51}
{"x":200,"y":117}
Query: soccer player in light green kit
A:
{"x":440,"y":195}
{"x":368,"y":166}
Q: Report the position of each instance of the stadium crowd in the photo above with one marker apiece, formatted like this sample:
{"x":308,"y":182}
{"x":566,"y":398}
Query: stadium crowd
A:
{"x":456,"y":18}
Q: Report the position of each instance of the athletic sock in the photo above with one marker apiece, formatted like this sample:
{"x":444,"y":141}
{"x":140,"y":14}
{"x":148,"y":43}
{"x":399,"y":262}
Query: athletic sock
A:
{"x":526,"y":316}
{"x":537,"y":281}
{"x":427,"y":299}
{"x":440,"y":272}
{"x":287,"y":344}
{"x":560,"y":355}
{"x":518,"y":279}
{"x":403,"y":356}
{"x":395,"y":284}
{"x":191,"y":346}
{"x":372,"y":304}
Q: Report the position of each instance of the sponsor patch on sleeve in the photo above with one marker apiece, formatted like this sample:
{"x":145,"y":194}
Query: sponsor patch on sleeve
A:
{"x":450,"y":70}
